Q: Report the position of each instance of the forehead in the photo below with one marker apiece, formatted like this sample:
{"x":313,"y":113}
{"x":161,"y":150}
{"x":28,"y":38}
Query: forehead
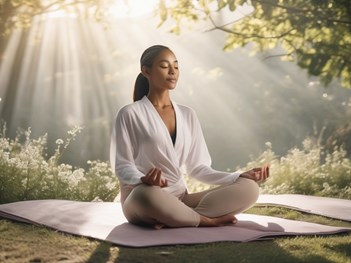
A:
{"x":166,"y":55}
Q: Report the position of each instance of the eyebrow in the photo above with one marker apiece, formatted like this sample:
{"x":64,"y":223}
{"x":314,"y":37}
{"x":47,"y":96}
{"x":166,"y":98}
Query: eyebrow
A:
{"x":164,"y":60}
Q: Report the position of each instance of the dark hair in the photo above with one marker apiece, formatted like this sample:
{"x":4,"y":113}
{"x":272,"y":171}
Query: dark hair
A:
{"x":141,"y":86}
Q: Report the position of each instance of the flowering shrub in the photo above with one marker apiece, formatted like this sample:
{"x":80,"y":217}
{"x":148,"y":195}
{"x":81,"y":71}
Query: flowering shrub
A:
{"x":27,"y":174}
{"x":307,"y":171}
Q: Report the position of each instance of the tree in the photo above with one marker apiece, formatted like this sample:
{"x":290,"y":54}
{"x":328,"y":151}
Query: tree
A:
{"x":316,"y":34}
{"x":16,"y":14}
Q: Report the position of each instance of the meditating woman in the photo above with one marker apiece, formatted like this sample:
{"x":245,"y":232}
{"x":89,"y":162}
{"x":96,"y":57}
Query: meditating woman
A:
{"x":155,"y":142}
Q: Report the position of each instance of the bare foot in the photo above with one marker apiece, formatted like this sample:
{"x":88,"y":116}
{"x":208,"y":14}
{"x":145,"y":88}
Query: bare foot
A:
{"x":158,"y":226}
{"x":218,"y":221}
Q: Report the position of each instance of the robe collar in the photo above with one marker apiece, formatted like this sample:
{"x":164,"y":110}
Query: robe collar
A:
{"x":176,"y":149}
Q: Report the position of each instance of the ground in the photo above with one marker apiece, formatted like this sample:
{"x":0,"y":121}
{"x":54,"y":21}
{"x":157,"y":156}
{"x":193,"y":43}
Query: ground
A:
{"x":27,"y":243}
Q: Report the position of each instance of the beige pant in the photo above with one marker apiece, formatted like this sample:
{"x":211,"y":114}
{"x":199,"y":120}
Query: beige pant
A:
{"x":148,"y":205}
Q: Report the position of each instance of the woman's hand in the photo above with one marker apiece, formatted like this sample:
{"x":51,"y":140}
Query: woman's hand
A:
{"x":154,"y":177}
{"x":258,"y":174}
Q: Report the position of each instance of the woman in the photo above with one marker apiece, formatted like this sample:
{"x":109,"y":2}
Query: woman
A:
{"x":156,"y":141}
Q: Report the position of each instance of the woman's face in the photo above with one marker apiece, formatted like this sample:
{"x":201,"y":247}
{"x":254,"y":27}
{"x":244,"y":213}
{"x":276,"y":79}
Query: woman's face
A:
{"x":163,"y":75}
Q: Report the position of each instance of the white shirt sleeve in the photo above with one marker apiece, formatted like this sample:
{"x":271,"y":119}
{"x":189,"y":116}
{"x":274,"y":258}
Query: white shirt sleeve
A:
{"x":199,"y":161}
{"x":121,"y":151}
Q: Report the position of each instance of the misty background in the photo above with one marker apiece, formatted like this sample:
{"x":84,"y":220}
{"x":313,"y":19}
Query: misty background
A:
{"x":68,"y":71}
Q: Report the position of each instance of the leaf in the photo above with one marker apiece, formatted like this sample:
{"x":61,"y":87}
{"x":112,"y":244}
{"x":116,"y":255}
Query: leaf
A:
{"x":232,"y":5}
{"x":221,"y":4}
{"x":163,"y":11}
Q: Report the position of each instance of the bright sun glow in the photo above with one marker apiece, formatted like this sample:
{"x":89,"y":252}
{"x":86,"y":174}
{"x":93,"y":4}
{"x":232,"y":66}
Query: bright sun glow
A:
{"x":114,"y":8}
{"x":132,"y":8}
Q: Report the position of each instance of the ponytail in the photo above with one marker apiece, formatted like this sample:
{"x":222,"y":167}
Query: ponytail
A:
{"x":141,"y":87}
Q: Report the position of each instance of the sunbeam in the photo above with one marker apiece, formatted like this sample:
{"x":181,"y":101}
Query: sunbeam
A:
{"x":131,"y":8}
{"x":69,"y":70}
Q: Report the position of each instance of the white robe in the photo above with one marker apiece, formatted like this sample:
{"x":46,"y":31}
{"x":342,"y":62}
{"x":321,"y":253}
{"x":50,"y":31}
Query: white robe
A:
{"x":141,"y":141}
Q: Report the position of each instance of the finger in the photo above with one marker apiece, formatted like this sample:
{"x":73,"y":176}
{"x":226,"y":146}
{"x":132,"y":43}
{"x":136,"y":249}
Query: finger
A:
{"x":163,"y":182}
{"x":264,"y":172}
{"x":255,"y":176}
{"x":158,"y":179}
{"x":152,"y":176}
{"x":150,"y":172}
{"x":257,"y":169}
{"x":146,"y":179}
{"x":252,"y":175}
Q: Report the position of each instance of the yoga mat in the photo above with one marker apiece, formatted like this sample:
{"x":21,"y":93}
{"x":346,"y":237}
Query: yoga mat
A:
{"x":325,"y":206}
{"x":105,"y":221}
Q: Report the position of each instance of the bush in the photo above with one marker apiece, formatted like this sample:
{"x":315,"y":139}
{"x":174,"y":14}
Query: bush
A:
{"x":309,"y":171}
{"x":26,"y":173}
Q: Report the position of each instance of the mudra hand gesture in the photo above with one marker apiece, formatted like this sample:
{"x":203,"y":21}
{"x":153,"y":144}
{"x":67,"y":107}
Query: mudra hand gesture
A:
{"x":258,"y":174}
{"x":154,"y":177}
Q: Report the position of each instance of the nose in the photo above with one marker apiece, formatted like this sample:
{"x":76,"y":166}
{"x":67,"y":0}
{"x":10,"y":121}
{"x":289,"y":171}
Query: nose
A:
{"x":171,"y":70}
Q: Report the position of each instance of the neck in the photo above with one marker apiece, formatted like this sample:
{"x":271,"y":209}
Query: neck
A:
{"x":161,"y":100}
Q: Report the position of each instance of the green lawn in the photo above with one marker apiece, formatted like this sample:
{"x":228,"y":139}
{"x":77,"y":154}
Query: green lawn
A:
{"x":27,"y":243}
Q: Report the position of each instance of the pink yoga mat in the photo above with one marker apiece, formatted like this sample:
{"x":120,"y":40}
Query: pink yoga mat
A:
{"x":325,"y":206}
{"x":105,"y":221}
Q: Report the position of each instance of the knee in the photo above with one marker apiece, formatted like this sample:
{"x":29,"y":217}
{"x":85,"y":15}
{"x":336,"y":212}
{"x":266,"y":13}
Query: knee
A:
{"x":141,"y":201}
{"x":144,"y":195}
{"x":253,"y":189}
{"x":250,"y":188}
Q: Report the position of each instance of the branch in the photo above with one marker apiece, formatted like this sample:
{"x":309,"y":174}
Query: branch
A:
{"x":249,"y":35}
{"x":223,"y":26}
{"x":339,"y":21}
{"x":278,"y":55}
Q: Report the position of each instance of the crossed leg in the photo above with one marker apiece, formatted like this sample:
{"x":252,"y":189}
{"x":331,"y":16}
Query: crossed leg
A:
{"x":150,"y":205}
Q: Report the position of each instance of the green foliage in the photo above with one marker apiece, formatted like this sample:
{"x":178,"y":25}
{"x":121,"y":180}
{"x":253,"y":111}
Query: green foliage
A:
{"x":27,"y":174}
{"x":302,"y":171}
{"x":314,"y":34}
{"x":308,"y":171}
{"x":19,"y":13}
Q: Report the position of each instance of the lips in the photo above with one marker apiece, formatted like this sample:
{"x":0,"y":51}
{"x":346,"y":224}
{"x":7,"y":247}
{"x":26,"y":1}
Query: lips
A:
{"x":172,"y":80}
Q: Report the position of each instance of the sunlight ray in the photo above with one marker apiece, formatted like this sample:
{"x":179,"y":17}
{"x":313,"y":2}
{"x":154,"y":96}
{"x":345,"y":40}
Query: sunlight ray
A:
{"x":69,"y":70}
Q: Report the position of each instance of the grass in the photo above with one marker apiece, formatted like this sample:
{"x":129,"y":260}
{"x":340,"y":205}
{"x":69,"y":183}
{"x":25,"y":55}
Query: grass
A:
{"x":27,"y":243}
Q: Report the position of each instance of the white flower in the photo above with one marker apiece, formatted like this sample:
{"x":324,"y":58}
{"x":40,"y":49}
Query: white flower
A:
{"x":76,"y":177}
{"x":110,"y":186}
{"x":75,"y":130}
{"x":97,"y":199}
{"x":59,"y":141}
{"x":268,"y":144}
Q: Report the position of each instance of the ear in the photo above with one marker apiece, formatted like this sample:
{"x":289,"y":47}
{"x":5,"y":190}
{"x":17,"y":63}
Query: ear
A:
{"x":145,"y":71}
